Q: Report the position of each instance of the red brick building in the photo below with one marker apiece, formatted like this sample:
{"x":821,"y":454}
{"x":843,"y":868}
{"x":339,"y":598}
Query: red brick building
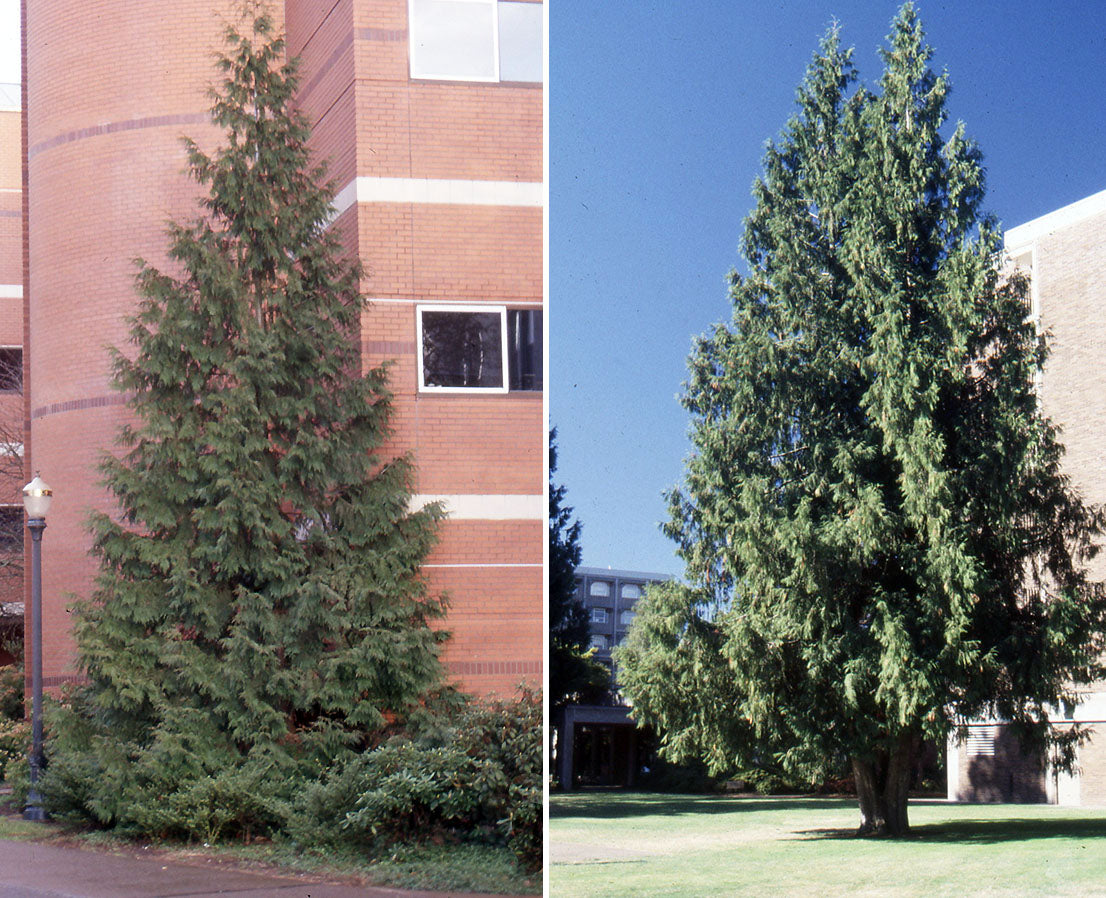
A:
{"x":431,"y":114}
{"x":11,"y":370}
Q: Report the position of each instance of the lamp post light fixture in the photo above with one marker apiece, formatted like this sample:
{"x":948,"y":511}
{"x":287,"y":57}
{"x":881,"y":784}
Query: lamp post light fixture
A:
{"x":36,"y":500}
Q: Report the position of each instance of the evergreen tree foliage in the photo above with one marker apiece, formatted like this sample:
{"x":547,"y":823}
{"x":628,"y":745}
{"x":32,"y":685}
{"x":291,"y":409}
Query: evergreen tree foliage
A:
{"x":574,"y":676}
{"x":259,"y":608}
{"x":879,"y":541}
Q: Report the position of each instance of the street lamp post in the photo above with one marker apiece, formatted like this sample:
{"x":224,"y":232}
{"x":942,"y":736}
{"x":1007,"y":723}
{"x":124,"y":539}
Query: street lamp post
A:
{"x":36,"y":501}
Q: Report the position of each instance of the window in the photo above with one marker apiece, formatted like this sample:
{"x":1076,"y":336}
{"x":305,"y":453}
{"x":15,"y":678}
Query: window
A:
{"x":11,"y":527}
{"x":475,"y":40}
{"x":598,"y":615}
{"x":479,"y":348}
{"x":631,"y":591}
{"x":462,"y":348}
{"x":11,"y":369}
{"x":520,"y":41}
{"x":599,"y":588}
{"x":625,"y":618}
{"x":599,"y":642}
{"x":524,"y":349}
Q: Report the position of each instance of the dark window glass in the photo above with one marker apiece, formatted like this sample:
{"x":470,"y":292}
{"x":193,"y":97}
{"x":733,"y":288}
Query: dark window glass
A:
{"x":11,"y":527}
{"x":11,"y":368}
{"x":524,"y":348}
{"x":462,"y":349}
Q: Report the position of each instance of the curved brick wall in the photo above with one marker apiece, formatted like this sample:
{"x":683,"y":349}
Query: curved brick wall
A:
{"x":111,"y":89}
{"x":427,"y":173}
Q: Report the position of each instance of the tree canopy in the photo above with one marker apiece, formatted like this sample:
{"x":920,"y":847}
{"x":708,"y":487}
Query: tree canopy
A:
{"x":259,"y":604}
{"x":880,"y":543}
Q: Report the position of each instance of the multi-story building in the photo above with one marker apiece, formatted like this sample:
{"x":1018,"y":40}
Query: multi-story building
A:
{"x":600,"y":745}
{"x":431,"y":114}
{"x":11,"y":370}
{"x":1064,"y":254}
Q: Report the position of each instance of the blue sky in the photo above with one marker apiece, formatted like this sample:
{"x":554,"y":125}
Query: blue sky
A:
{"x":659,"y":114}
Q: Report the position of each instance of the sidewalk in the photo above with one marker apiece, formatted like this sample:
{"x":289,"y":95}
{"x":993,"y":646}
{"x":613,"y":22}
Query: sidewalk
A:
{"x":32,"y":870}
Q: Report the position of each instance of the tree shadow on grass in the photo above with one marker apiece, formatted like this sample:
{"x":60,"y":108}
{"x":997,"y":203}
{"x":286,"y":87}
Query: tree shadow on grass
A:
{"x":984,"y":831}
{"x":604,"y":806}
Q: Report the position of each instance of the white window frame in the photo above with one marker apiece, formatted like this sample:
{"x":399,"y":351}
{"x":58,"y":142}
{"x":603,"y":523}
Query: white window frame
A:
{"x":598,"y":616}
{"x":430,"y":74}
{"x":458,"y":307}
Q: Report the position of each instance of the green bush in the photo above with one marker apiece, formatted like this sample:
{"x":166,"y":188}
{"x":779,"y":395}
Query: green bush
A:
{"x":475,"y":773}
{"x":467,"y":772}
{"x":11,"y":692}
{"x":190,"y":781}
{"x":15,"y":733}
{"x":15,"y":740}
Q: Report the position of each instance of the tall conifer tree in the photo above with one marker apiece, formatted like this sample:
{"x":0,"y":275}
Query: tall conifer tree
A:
{"x":260,"y":598}
{"x":880,"y":543}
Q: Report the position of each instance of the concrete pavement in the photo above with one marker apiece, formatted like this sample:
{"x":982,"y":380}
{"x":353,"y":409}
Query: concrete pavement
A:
{"x":32,"y":870}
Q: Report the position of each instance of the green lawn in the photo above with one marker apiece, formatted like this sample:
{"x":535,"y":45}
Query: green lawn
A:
{"x":643,"y":844}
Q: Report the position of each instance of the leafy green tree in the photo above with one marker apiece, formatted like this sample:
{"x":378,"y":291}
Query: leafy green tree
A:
{"x":574,"y":676}
{"x":879,"y":541}
{"x":259,"y":605}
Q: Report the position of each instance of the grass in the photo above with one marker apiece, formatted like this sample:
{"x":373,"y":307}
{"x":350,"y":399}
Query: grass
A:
{"x":453,"y":868}
{"x":607,"y":844}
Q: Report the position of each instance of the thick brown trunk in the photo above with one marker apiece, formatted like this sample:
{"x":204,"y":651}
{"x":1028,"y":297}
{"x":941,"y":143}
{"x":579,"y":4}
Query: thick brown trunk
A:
{"x":882,"y":784}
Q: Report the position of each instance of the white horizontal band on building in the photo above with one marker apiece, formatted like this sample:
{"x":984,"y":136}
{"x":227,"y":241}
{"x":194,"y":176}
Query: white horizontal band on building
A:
{"x":465,"y":301}
{"x":11,"y":291}
{"x":513,"y":507}
{"x":439,"y":190}
{"x":481,"y":564}
{"x":1073,"y":213}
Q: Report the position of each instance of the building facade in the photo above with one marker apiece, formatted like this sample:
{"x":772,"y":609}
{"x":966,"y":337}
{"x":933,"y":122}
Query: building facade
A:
{"x":1064,"y":254}
{"x":600,"y":745}
{"x":11,"y":371}
{"x":431,"y":115}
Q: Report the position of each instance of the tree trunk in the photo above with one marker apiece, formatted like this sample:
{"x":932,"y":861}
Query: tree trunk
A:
{"x":882,"y":783}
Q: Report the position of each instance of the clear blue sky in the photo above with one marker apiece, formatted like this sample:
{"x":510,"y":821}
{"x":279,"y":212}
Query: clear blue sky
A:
{"x":659,"y":113}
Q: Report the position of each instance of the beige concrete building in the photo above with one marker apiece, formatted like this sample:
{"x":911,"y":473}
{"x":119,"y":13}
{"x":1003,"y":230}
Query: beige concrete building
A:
{"x":1064,"y":253}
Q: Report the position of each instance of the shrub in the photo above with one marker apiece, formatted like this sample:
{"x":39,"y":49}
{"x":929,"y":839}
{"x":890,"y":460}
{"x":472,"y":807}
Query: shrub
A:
{"x":15,"y":732}
{"x":464,"y":772}
{"x":472,"y":773}
{"x":15,"y":740}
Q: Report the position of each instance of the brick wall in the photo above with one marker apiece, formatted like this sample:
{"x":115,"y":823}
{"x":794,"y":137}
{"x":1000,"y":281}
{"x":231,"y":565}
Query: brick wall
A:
{"x":111,"y":88}
{"x":1066,"y":254}
{"x":11,"y":334}
{"x":1002,"y":772}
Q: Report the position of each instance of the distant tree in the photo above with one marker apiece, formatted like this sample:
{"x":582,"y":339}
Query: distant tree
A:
{"x":260,"y":607}
{"x":878,"y":537}
{"x":574,"y":675}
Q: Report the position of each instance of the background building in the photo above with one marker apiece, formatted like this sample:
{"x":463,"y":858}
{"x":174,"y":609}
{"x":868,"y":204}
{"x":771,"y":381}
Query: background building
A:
{"x":600,"y":745}
{"x":431,"y":114}
{"x":11,"y":370}
{"x":1064,"y":254}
